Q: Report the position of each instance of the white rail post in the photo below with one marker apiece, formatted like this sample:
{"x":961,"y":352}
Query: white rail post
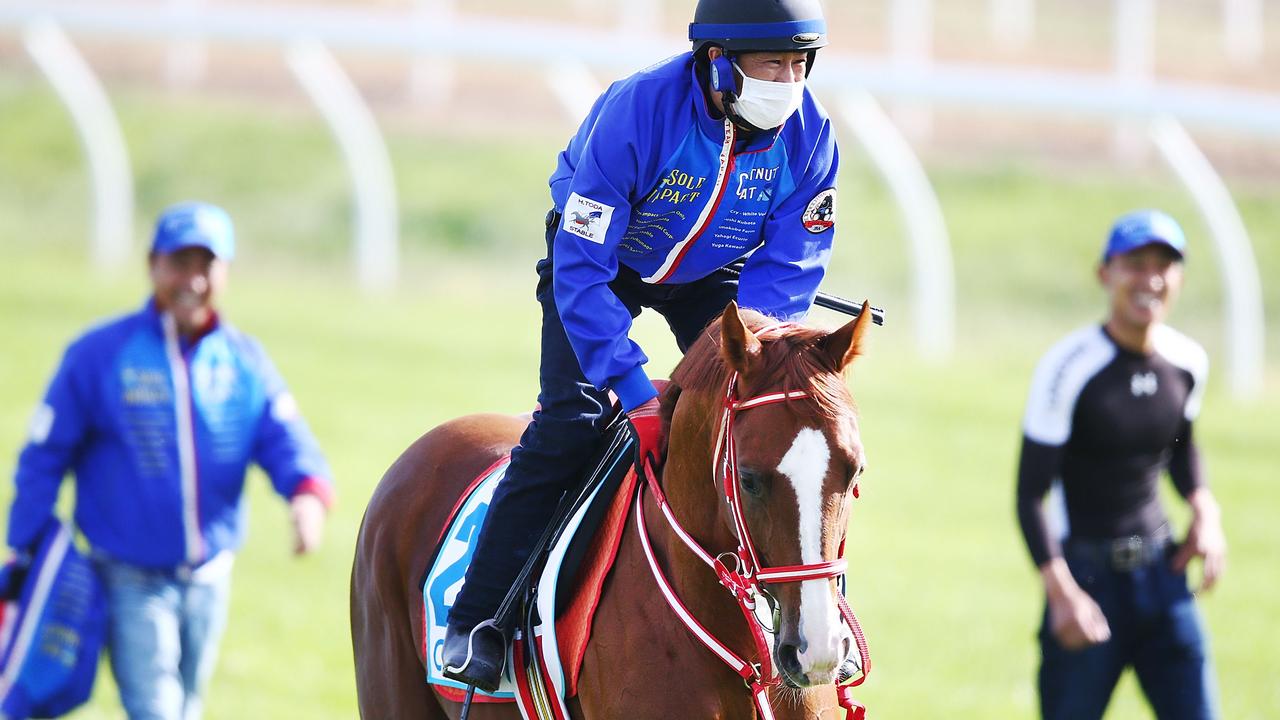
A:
{"x":187,"y":58}
{"x":911,"y":47}
{"x":1243,"y":310}
{"x":372,"y":181}
{"x":433,"y":77}
{"x":100,"y":134}
{"x":1134,"y":54}
{"x":574,"y":86}
{"x":933,"y":276}
{"x":1011,"y":22}
{"x":1242,"y":31}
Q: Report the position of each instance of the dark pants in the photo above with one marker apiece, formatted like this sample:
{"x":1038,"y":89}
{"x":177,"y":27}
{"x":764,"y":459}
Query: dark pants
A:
{"x":567,"y":428}
{"x":1154,"y":627}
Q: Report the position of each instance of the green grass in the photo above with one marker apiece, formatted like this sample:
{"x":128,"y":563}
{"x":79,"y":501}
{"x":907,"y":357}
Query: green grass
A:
{"x":940,"y":577}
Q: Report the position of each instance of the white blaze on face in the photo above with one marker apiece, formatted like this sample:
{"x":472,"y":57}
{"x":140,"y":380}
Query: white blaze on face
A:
{"x":806,"y":464}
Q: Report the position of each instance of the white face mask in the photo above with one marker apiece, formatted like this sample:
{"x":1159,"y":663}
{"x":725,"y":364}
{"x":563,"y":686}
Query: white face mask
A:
{"x":767,"y":104}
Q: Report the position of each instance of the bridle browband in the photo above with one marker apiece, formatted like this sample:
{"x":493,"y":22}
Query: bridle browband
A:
{"x":744,"y":580}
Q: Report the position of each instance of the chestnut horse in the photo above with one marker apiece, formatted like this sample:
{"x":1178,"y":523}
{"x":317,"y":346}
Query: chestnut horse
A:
{"x":797,"y":468}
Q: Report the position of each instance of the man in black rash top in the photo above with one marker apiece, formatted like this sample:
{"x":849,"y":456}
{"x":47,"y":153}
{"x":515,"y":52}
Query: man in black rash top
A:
{"x":1110,"y":409}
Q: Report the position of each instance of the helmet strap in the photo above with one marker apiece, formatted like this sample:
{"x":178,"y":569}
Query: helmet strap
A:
{"x":732,"y":113}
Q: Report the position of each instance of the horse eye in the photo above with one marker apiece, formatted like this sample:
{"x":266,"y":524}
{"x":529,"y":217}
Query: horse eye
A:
{"x":857,"y":473}
{"x":752,"y":482}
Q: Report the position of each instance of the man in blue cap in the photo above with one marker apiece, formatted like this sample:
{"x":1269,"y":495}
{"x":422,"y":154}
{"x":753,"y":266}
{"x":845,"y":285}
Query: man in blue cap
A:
{"x":1111,"y":409}
{"x":158,"y":414}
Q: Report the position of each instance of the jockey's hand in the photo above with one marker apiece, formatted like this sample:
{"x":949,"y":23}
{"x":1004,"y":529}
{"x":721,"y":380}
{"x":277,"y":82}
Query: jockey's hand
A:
{"x":646,"y":423}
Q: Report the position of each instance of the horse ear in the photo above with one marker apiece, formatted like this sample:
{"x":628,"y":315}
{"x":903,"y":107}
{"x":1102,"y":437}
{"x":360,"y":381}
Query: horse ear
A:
{"x":738,"y":346}
{"x":845,"y":344}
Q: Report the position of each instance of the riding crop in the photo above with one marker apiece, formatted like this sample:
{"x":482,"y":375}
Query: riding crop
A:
{"x":826,"y":300}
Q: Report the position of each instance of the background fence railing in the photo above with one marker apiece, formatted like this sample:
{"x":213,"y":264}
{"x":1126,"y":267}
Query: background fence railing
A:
{"x":1146,"y":111}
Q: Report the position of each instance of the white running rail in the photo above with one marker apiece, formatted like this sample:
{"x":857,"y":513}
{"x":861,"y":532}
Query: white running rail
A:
{"x":1243,"y":310}
{"x":933,"y":278}
{"x":100,"y":134}
{"x":372,"y":180}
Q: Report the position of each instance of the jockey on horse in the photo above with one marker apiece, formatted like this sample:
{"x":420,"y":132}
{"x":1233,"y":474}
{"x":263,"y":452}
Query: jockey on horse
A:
{"x":710,"y":157}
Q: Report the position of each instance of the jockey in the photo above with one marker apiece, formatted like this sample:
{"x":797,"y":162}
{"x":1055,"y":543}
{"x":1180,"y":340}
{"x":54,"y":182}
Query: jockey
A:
{"x":710,"y":157}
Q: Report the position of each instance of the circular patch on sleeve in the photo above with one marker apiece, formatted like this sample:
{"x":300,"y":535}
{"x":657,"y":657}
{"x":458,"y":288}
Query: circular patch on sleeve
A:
{"x":40,"y":424}
{"x":284,"y":409}
{"x":820,"y":216}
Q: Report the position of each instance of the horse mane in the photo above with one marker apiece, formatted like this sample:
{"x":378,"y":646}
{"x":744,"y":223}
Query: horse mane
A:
{"x":790,"y":361}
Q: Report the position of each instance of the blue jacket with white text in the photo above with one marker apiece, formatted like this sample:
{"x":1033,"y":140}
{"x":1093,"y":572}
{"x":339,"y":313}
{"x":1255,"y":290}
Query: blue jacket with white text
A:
{"x":654,"y":181}
{"x":159,"y":433}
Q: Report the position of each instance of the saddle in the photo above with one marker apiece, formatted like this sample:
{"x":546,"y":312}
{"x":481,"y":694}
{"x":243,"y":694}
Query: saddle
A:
{"x":561,"y":588}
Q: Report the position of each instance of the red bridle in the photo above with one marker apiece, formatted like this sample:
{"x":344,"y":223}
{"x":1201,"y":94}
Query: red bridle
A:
{"x":725,"y":465}
{"x":744,"y":580}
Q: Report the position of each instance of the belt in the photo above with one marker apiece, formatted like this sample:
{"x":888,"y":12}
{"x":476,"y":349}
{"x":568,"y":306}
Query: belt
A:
{"x":205,"y":571}
{"x":1124,"y":554}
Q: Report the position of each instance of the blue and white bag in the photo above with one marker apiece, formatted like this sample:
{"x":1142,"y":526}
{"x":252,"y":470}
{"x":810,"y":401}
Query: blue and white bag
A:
{"x":51,"y":628}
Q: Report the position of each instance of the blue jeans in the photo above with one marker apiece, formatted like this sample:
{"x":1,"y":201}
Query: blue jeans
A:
{"x":163,"y":633}
{"x":567,"y":427}
{"x":1155,"y":628}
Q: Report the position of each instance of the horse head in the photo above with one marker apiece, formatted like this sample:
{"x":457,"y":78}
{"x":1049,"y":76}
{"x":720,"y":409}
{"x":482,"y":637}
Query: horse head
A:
{"x":783,"y":435}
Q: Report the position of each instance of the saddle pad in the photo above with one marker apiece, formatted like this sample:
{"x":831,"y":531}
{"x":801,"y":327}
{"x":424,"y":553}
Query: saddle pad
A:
{"x":572,"y":628}
{"x":443,"y":581}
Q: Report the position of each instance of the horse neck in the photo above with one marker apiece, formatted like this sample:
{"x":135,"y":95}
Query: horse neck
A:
{"x":696,"y":500}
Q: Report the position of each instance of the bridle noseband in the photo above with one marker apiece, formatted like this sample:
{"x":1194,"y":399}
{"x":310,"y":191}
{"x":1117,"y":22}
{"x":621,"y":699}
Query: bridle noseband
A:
{"x":745,"y":579}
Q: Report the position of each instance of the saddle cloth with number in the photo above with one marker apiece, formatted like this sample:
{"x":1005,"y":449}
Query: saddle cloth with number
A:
{"x":546,"y":657}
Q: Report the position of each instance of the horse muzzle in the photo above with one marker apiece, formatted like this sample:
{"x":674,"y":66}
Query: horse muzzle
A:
{"x":803,"y":665}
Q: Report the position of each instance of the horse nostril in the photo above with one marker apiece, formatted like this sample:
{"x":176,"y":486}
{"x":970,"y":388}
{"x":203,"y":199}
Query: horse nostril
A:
{"x":846,"y":647}
{"x":789,"y":660}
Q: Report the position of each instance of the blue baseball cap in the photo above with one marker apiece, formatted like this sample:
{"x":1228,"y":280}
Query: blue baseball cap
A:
{"x":1144,"y":227}
{"x":195,"y":224}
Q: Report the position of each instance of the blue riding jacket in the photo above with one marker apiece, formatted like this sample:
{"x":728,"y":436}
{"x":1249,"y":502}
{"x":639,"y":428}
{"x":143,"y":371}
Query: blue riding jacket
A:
{"x":654,"y":181}
{"x":159,"y":433}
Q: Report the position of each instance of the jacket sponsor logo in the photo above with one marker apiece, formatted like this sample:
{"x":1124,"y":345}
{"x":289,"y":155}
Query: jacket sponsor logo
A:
{"x":144,"y":386}
{"x":755,"y":184}
{"x":214,"y":383}
{"x":587,"y":218}
{"x":1143,"y":384}
{"x":820,"y":215}
{"x":41,"y":424}
{"x":677,"y":188}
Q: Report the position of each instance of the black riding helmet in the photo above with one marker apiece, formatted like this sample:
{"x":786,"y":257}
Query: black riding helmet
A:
{"x":741,"y":26}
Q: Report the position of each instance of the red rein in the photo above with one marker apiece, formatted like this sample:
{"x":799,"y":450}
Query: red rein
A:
{"x":744,"y":580}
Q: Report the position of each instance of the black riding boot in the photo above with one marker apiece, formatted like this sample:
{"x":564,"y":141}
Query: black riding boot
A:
{"x":475,"y":656}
